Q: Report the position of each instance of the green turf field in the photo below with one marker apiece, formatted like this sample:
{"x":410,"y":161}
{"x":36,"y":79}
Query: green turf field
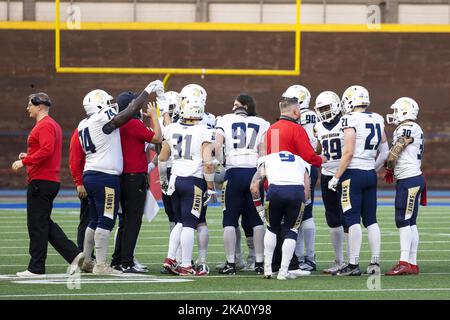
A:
{"x":433,"y":258}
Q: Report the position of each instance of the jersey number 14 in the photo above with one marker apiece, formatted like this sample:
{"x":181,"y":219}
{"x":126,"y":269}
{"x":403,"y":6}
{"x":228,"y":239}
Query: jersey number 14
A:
{"x":86,"y":141}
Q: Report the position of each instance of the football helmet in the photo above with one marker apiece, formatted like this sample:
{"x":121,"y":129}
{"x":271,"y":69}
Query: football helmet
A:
{"x":300,"y":93}
{"x":170,"y":104}
{"x":328,"y":106}
{"x":404,"y":109}
{"x":354,"y":96}
{"x":96,"y":100}
{"x":192,"y":108}
{"x":193,"y":90}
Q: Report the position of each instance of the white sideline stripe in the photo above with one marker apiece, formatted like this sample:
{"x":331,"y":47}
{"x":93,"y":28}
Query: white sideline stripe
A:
{"x":237,"y":292}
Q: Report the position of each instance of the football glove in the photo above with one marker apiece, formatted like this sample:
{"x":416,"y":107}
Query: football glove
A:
{"x":211,"y":197}
{"x":155,"y":86}
{"x":389,"y":176}
{"x":332,"y":184}
{"x":164,"y":186}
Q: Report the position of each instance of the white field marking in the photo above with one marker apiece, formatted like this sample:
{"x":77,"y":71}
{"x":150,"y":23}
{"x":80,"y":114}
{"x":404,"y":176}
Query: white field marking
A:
{"x":237,"y":292}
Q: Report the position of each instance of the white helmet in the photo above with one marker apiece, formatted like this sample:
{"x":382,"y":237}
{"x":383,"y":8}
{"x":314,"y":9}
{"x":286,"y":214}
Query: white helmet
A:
{"x":193,"y":90}
{"x":96,"y":100}
{"x":328,"y":106}
{"x":354,"y":96}
{"x":300,"y":93}
{"x":192,"y":108}
{"x":169,"y":103}
{"x":404,"y":109}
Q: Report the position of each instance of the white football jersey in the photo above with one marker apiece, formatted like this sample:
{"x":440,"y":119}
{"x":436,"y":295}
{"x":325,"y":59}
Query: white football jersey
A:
{"x":163,"y":130}
{"x":209,"y":119}
{"x":103,"y":151}
{"x":242,"y":137}
{"x":284,"y":168}
{"x":410,"y":160}
{"x":308,"y":119}
{"x":185,"y":143}
{"x":329,"y":136}
{"x":369,"y":127}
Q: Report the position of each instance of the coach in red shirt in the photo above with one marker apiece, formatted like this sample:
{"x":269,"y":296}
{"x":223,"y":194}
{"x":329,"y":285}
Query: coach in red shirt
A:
{"x":287,"y":135}
{"x":77,"y":159}
{"x":133,"y":182}
{"x":43,"y":162}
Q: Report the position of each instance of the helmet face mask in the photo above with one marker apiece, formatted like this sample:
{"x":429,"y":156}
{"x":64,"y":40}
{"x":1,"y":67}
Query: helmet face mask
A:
{"x":328,"y":106}
{"x":300,"y":93}
{"x":404,"y":109}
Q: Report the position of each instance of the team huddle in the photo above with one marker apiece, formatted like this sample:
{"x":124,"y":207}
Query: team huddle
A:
{"x":266,"y":175}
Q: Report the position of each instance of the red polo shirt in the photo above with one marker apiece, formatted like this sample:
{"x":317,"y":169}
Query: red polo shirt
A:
{"x":77,"y":159}
{"x":285,"y":135}
{"x":43,"y":160}
{"x":133,"y":135}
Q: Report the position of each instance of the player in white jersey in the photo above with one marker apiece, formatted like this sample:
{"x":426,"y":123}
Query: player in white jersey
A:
{"x":363,"y":137}
{"x":307,"y":233}
{"x":100,"y":140}
{"x":328,"y":132}
{"x":242,"y":133}
{"x":209,"y":119}
{"x":288,"y":179}
{"x":186,"y":143}
{"x":404,"y":163}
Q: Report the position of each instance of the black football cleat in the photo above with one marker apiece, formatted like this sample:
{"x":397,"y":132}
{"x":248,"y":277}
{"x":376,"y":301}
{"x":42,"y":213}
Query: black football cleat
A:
{"x":349,"y":270}
{"x":259,"y":267}
{"x":229,"y":268}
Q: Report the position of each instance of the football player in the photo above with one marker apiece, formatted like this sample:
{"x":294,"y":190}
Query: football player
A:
{"x":307,"y":232}
{"x":403,"y":163}
{"x":328,"y":131}
{"x":288,"y":180}
{"x":242,"y":133}
{"x":356,"y":179}
{"x":100,"y":140}
{"x":186,"y":143}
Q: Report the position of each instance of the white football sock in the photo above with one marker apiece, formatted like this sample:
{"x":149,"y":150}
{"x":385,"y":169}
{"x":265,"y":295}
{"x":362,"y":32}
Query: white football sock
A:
{"x":347,"y":242}
{"x":101,"y":239}
{"x":174,"y":241}
{"x":238,"y":247}
{"x":355,"y":240}
{"x":187,"y":246}
{"x":202,"y":243}
{"x":337,"y":239}
{"x":405,"y":243}
{"x":414,"y":245}
{"x":287,"y":252}
{"x":88,"y":244}
{"x":309,"y":235}
{"x":229,"y":242}
{"x":270,"y":242}
{"x":258,"y":241}
{"x":300,"y":246}
{"x":374,"y":235}
{"x":251,"y":247}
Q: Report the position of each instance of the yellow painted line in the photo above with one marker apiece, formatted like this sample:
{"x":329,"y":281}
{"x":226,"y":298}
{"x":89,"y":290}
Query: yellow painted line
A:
{"x":256,"y":72}
{"x":204,"y":26}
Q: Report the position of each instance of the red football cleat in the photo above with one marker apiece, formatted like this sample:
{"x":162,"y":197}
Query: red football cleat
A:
{"x":402,"y":268}
{"x":414,"y":269}
{"x":185,"y":271}
{"x":170,"y":265}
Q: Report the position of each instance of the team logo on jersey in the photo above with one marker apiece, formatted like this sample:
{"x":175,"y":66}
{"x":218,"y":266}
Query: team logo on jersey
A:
{"x":109,"y":203}
{"x":411,"y":201}
{"x":345,"y":197}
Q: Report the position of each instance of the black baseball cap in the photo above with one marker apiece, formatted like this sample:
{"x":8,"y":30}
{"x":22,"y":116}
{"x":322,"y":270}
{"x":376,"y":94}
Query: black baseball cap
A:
{"x":124,"y":99}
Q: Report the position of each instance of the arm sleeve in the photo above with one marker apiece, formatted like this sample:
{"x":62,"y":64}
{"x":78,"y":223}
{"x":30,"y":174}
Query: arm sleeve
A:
{"x":304,"y":148}
{"x":46,"y":146}
{"x":382,"y":156}
{"x":142,"y":132}
{"x":220,"y":126}
{"x":77,"y":159}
